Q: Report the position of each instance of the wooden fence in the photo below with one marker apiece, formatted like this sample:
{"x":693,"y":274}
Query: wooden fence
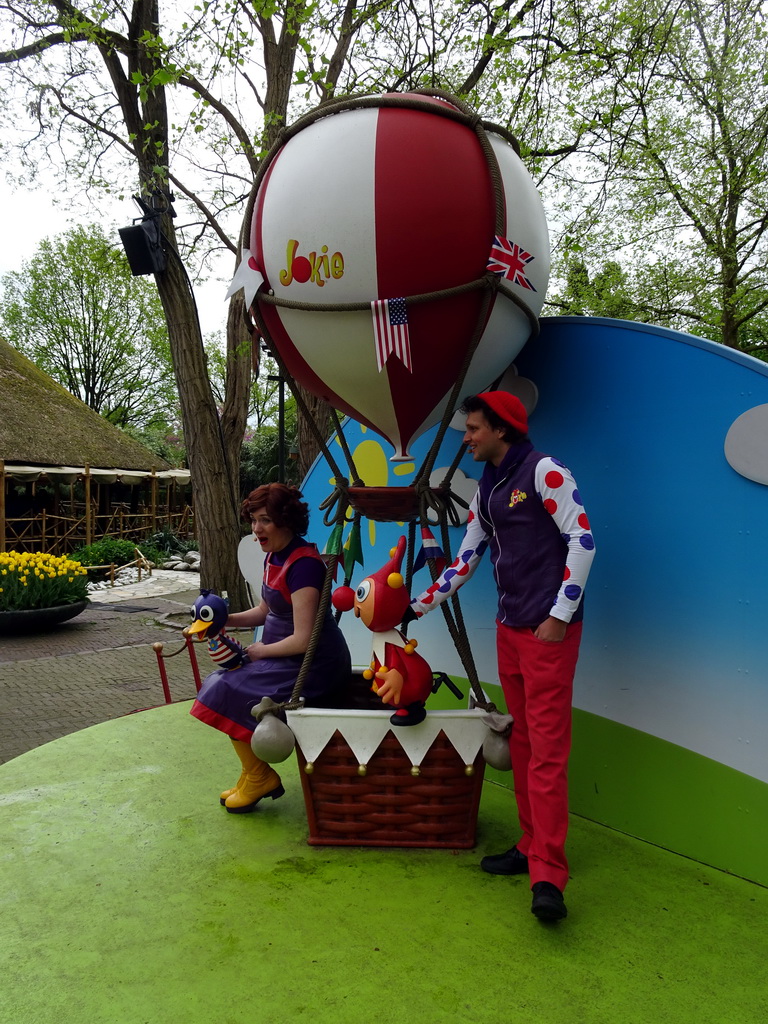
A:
{"x":61,"y":534}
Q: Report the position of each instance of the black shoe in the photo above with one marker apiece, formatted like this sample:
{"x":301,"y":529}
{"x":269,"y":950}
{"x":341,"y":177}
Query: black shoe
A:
{"x":413,"y":714}
{"x":548,"y":903}
{"x":510,"y":863}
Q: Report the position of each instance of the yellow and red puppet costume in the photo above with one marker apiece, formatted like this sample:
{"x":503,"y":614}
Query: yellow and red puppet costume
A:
{"x":399,"y":675}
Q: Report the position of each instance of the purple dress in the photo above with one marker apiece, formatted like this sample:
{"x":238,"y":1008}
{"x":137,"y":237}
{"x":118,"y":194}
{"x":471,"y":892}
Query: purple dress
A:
{"x":227,"y":696}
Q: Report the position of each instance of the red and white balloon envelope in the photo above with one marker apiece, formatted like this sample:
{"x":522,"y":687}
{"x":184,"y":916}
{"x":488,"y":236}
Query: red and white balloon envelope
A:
{"x":377,"y":205}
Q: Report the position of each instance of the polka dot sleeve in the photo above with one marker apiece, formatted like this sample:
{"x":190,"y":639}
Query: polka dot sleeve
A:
{"x":471,"y":550}
{"x":560,"y":496}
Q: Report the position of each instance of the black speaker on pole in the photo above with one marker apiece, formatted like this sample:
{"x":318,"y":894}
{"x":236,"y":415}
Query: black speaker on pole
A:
{"x":142,"y":247}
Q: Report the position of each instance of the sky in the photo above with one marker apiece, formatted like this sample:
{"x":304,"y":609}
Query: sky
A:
{"x":29,"y":217}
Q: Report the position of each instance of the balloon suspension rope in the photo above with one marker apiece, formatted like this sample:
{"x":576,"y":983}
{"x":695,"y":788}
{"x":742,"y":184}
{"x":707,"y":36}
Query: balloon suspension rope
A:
{"x":322,"y":608}
{"x":336,"y":504}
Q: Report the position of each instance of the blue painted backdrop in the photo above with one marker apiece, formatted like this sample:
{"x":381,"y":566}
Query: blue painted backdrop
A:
{"x":675,"y":638}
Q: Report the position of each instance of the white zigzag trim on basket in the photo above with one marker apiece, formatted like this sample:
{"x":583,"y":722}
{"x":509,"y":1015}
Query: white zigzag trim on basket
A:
{"x":364,"y":730}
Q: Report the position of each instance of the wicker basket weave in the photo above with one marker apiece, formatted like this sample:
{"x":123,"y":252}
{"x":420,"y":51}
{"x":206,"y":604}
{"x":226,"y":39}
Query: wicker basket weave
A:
{"x":390,"y":806}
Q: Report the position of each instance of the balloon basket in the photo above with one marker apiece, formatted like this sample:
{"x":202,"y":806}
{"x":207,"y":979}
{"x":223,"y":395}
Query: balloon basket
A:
{"x":366,"y":783}
{"x":389,"y":504}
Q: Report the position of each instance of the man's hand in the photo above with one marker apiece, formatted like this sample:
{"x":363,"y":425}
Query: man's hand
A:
{"x":551,"y":630}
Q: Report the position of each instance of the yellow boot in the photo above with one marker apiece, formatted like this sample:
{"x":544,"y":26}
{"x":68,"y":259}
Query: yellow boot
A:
{"x":257,"y":780}
{"x":244,"y":752}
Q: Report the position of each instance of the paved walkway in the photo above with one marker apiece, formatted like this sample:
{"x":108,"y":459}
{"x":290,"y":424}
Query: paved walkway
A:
{"x":98,"y":666}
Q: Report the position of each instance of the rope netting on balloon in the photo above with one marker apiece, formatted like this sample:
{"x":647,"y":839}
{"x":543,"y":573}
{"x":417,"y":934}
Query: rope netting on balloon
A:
{"x":418,"y":503}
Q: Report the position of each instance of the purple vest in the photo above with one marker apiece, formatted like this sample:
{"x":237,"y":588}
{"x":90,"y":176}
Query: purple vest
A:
{"x":528,"y":552}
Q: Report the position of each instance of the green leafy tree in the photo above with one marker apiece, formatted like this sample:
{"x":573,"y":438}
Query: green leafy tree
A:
{"x":264,"y":397}
{"x":162,"y":438}
{"x":76,"y":310}
{"x":270,"y":447}
{"x":606,"y":293}
{"x":184,"y":107}
{"x":96,"y":79}
{"x":265,"y":451}
{"x":678,"y":192}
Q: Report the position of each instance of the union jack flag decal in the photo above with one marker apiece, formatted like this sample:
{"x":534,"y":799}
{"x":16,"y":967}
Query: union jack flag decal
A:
{"x":509,"y":260}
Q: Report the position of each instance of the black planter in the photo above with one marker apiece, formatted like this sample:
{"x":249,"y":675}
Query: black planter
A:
{"x":37,"y":620}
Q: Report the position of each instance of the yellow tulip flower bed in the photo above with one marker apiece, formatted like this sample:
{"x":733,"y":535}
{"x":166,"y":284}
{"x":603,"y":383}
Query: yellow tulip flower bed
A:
{"x":39,"y":581}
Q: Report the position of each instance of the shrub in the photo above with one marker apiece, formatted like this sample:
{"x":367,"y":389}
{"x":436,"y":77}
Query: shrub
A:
{"x":167,"y":543}
{"x":108,"y":551}
{"x":114,"y":551}
{"x":34,"y":580}
{"x":151,"y":553}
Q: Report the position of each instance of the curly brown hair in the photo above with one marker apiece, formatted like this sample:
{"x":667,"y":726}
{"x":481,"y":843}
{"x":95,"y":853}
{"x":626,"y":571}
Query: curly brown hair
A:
{"x":283,"y":505}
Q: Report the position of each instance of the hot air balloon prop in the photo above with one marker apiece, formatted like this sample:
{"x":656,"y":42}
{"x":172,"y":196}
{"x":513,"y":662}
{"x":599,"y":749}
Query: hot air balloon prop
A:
{"x":398,"y":258}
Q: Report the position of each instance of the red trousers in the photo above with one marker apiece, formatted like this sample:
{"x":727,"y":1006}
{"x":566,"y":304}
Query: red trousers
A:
{"x":537,"y":679}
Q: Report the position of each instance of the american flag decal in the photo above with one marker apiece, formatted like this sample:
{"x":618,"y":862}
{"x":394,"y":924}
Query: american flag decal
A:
{"x":390,"y":331}
{"x":509,"y":260}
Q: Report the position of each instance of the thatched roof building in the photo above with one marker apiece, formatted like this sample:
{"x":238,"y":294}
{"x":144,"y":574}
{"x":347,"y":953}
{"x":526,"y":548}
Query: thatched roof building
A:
{"x":49,"y":435}
{"x":43,"y":425}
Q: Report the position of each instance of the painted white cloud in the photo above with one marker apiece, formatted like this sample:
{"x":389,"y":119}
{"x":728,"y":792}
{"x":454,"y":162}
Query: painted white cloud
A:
{"x":746,"y":444}
{"x":461,"y":484}
{"x":523,"y":388}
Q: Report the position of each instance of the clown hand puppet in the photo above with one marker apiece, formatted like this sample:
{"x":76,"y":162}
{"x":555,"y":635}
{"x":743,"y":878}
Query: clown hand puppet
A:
{"x":400,"y":677}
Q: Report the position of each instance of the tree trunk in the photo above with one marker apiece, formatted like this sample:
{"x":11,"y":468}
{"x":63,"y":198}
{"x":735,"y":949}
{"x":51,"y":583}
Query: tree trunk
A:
{"x":729,"y":277}
{"x":215,"y":496}
{"x":234,"y":415}
{"x":309,"y":448}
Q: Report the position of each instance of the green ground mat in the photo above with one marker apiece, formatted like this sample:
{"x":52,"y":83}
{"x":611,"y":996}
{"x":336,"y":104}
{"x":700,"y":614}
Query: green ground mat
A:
{"x":129,"y":896}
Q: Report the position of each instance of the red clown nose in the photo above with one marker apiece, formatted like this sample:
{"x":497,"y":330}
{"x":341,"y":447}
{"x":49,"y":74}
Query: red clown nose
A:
{"x":343,"y":599}
{"x":384,"y":591}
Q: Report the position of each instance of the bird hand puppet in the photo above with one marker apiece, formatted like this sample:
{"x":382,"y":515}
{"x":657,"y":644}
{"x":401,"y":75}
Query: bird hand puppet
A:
{"x":209,"y":617}
{"x":399,"y":676}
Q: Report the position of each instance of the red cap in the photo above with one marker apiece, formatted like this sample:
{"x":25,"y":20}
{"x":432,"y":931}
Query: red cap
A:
{"x":508,"y":407}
